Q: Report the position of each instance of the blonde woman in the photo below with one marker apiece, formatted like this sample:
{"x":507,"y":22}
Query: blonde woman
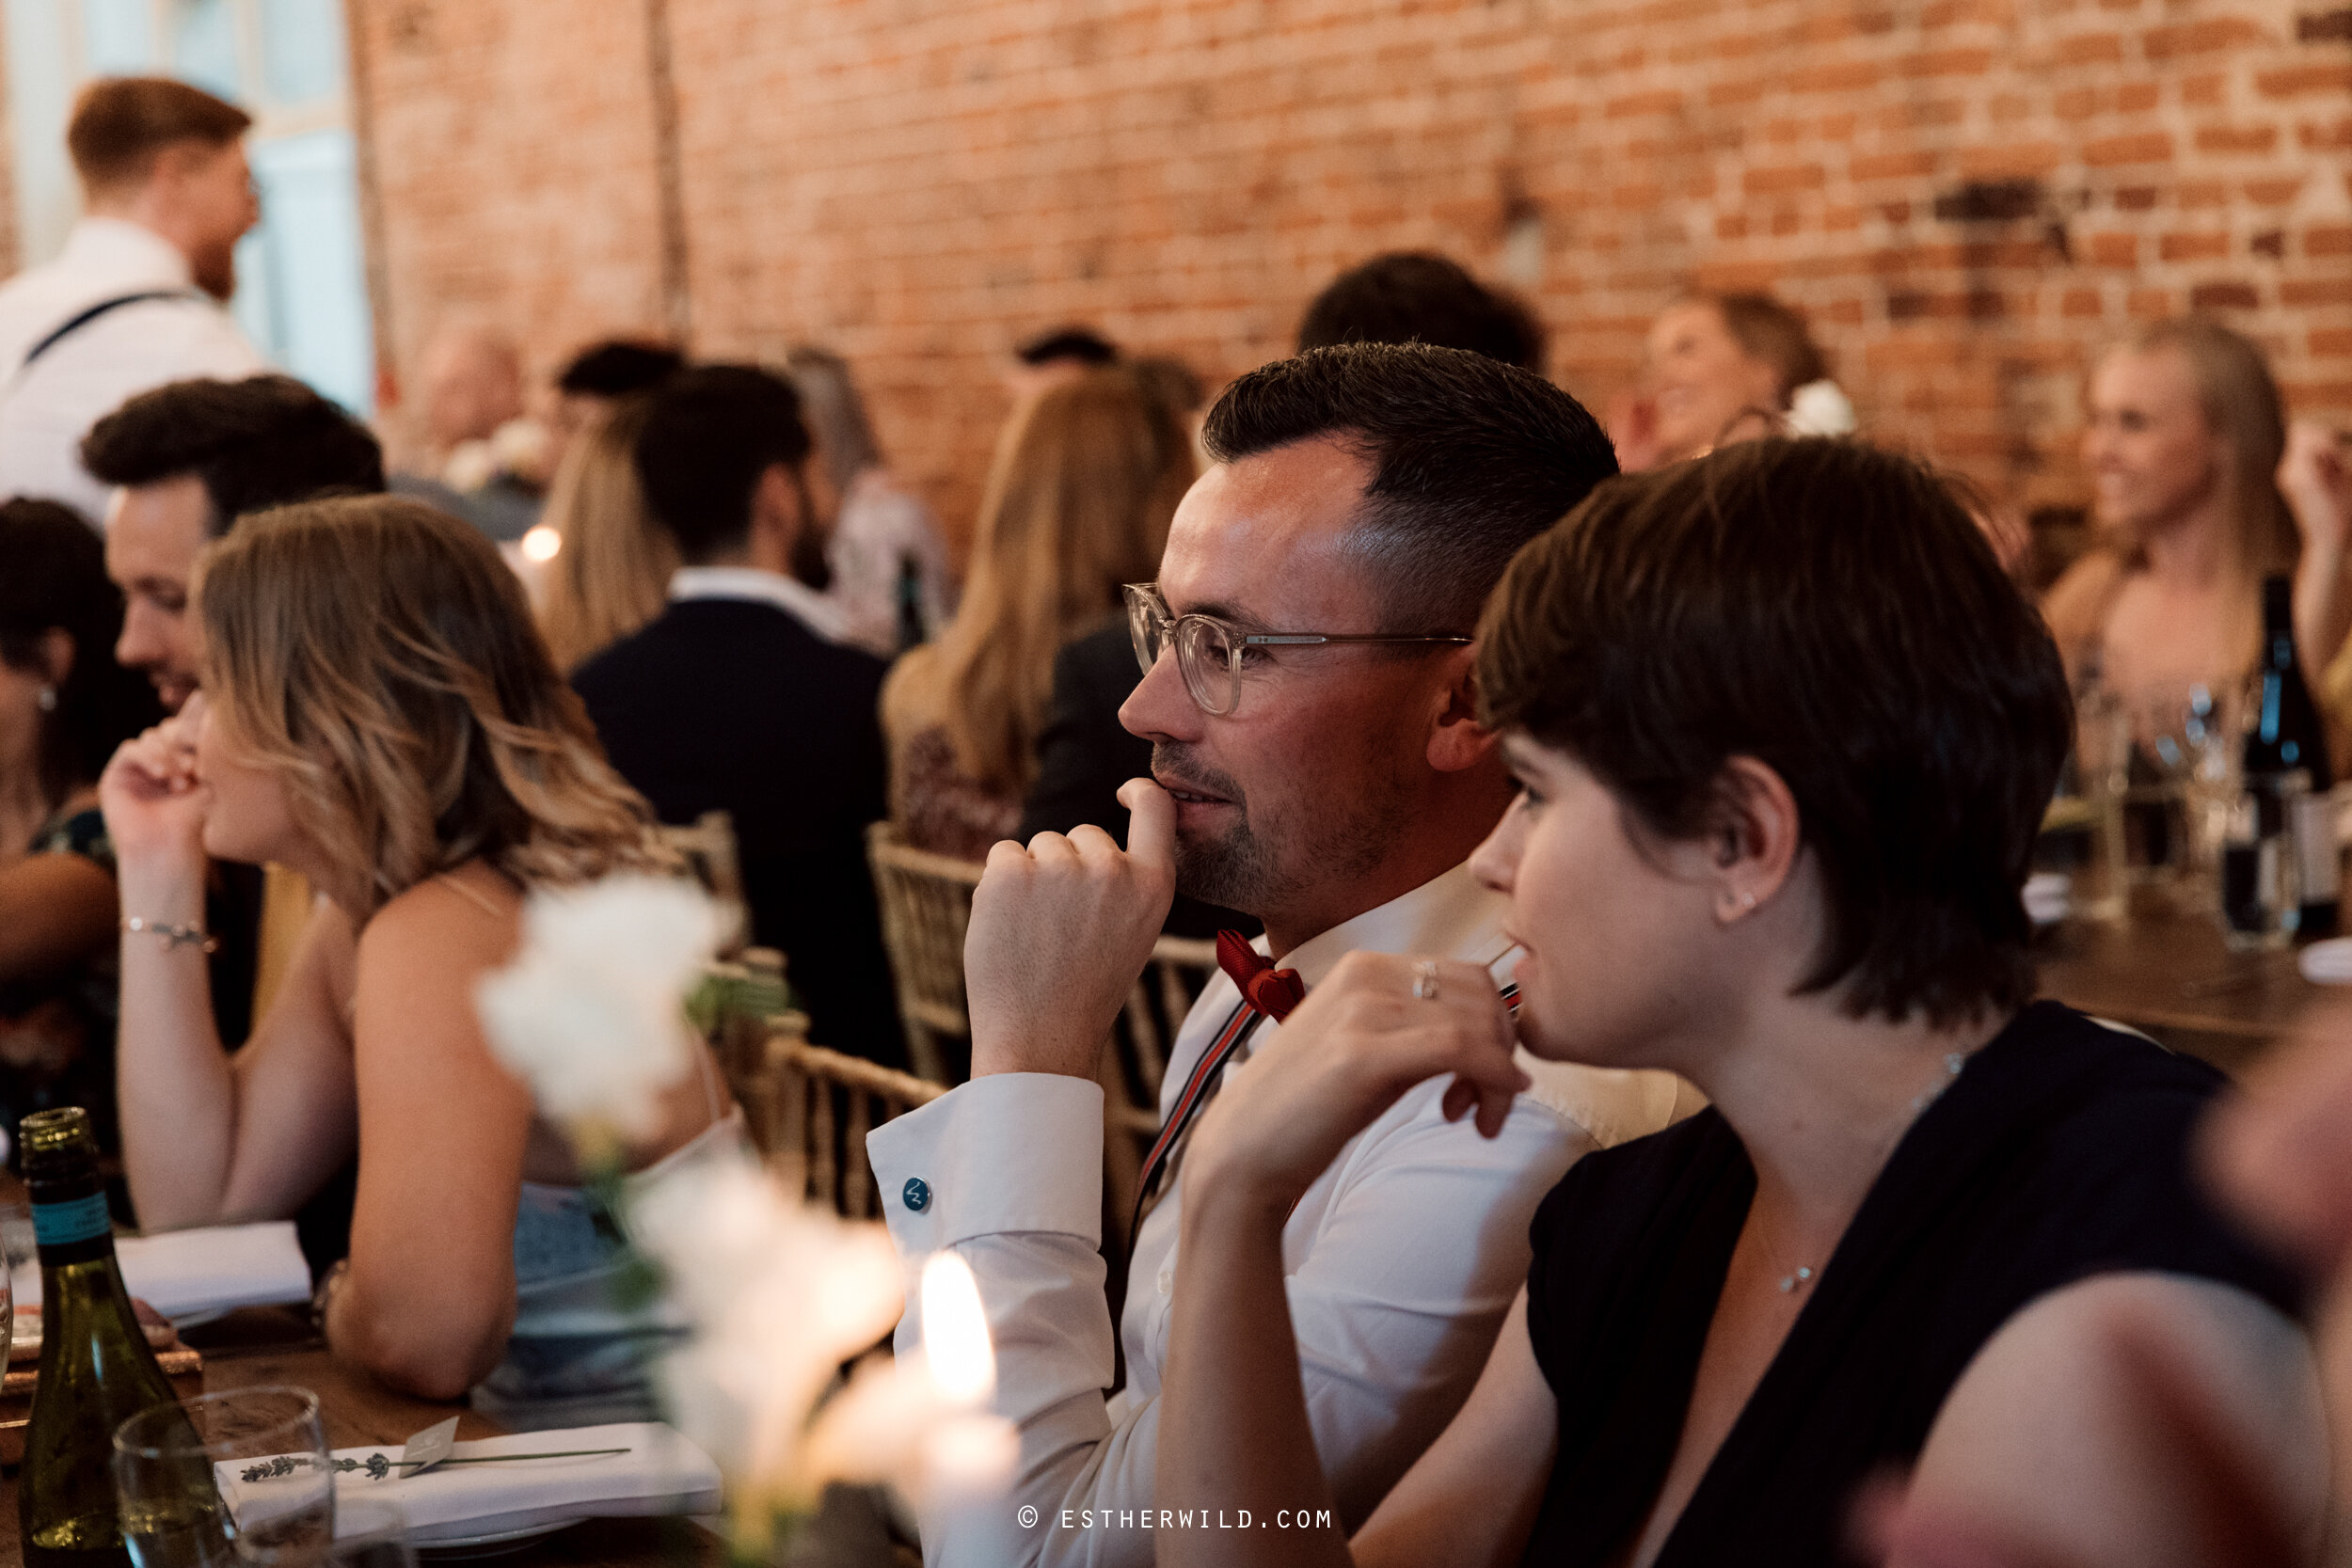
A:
{"x":378,"y":714}
{"x":2183,"y":444}
{"x":611,"y":575}
{"x":1077,"y":503}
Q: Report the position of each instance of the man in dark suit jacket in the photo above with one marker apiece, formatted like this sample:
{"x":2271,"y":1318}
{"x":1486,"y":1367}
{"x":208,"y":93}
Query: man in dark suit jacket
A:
{"x":739,"y":698}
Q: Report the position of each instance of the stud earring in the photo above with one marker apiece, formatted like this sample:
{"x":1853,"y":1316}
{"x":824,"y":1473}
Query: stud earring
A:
{"x":48,"y":699}
{"x":1747,"y":900}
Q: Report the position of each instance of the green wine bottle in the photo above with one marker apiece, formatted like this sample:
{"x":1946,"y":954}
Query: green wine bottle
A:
{"x":96,"y":1370}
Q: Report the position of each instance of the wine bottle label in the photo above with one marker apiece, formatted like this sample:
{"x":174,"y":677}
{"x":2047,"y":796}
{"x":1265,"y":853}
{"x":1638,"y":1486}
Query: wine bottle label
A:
{"x":2316,"y":850}
{"x":77,"y":1219}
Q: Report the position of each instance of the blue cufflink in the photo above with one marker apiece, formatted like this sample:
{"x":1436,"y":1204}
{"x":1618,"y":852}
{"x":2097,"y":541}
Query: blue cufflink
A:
{"x":916,"y":1193}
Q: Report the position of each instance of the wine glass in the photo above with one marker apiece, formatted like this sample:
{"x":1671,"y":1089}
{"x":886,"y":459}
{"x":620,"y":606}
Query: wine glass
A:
{"x":242,"y":1477}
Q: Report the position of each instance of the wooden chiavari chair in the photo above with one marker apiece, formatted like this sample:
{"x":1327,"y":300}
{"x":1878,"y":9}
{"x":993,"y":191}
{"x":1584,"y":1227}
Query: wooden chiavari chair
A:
{"x":706,"y":847}
{"x":812,"y":1108}
{"x":926,"y":904}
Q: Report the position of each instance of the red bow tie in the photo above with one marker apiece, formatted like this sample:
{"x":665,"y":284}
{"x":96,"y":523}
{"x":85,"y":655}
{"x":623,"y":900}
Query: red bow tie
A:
{"x":1273,"y":991}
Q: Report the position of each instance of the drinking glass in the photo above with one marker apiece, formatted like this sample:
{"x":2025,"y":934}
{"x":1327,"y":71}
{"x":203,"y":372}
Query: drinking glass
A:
{"x":226,"y":1479}
{"x":371,"y":1531}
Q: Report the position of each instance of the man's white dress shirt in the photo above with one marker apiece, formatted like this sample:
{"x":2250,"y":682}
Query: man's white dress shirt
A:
{"x":758,"y":584}
{"x":1401,"y":1259}
{"x":48,"y":407}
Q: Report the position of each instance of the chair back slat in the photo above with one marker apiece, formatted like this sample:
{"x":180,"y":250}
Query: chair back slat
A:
{"x":709,"y":849}
{"x":926,"y":905}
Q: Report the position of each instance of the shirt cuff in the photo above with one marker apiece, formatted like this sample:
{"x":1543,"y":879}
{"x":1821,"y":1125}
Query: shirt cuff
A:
{"x":1012,"y":1151}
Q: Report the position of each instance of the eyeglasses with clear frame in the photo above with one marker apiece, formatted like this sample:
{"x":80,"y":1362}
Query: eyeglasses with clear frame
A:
{"x":1210,"y":652}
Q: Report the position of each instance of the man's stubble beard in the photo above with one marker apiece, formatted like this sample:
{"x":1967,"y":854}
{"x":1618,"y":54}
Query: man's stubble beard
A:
{"x":1262,"y":873}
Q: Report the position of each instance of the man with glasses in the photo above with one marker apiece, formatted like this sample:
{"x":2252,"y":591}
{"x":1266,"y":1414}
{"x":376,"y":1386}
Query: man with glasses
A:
{"x":1318,"y":764}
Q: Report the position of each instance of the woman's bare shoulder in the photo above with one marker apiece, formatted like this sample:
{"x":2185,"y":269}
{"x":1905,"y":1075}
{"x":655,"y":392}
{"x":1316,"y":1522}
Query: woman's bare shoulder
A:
{"x":472,"y":915}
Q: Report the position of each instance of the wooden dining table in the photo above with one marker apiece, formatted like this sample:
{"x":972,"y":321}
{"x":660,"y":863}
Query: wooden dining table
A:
{"x":2168,"y":972}
{"x":276,"y":1345}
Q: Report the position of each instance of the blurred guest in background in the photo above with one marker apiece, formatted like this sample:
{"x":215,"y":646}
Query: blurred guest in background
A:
{"x":742,"y":696}
{"x":612,"y":569}
{"x":1056,"y":356}
{"x":134,"y":299}
{"x":1077,"y":504}
{"x":600,"y":376}
{"x":1417,"y":297}
{"x":1724,"y":368}
{"x":886,"y":558}
{"x":64,"y":705}
{"x":383,"y":718}
{"x":2316,"y":477}
{"x":2185,"y":442}
{"x":482,"y":459}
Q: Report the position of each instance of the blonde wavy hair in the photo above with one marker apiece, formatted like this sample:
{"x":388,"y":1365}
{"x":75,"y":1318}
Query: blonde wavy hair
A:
{"x":1078,"y":500}
{"x":378,"y":654}
{"x":611,"y":575}
{"x":2247,"y":418}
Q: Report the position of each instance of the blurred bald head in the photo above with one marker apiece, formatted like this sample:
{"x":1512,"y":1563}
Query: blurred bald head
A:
{"x":473,"y":383}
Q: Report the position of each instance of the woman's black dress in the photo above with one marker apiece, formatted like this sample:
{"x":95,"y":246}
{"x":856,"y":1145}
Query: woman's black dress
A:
{"x":2060,"y":1153}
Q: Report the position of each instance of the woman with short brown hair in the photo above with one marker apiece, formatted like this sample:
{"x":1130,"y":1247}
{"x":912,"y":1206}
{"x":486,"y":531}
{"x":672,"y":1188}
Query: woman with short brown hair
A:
{"x":378,"y":714}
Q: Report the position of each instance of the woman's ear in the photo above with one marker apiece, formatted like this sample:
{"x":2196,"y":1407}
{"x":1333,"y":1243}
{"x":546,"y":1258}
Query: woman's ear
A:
{"x":57,"y":655}
{"x":1753,"y":829}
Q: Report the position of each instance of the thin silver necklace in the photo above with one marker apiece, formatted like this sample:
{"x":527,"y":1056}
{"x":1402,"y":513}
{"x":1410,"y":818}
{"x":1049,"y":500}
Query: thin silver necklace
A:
{"x":1953,"y":1061}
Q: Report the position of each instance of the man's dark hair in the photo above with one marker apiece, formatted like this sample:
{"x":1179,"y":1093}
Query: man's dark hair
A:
{"x":55,"y":579}
{"x":121,"y":122}
{"x":1082,"y":343}
{"x":619,"y":367}
{"x":710,"y":434}
{"x":1832,"y":612}
{"x":1417,"y":297}
{"x":259,"y":442}
{"x":1470,"y":457}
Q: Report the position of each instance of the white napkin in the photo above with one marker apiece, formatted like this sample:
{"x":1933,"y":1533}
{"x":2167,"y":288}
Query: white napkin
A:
{"x":182,"y":1273}
{"x":2326,"y":963}
{"x":663,"y":1472}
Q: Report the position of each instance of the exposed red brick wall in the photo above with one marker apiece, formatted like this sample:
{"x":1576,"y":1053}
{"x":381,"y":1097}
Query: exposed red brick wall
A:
{"x":511,"y":157}
{"x":1965,"y":195}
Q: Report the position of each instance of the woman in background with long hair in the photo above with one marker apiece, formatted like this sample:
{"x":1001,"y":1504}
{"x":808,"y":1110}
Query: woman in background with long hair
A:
{"x":2184,"y":442}
{"x":610,"y":574}
{"x":1077,"y":504}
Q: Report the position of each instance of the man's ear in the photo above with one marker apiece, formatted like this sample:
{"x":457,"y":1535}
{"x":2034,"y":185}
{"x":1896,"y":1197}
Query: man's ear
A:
{"x":779,"y":518}
{"x":1458,"y":742}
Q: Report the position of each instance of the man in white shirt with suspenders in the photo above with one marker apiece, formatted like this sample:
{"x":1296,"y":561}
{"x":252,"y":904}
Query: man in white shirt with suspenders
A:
{"x":136,"y":299}
{"x":1318,"y":764}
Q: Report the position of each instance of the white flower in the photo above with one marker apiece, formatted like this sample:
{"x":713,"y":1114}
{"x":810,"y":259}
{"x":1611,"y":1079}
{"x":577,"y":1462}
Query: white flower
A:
{"x":590,"y":1013}
{"x":1820,"y":408}
{"x":779,"y":1294}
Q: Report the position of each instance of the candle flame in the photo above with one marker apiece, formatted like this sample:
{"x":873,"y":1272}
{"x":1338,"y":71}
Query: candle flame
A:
{"x":955,"y":1333}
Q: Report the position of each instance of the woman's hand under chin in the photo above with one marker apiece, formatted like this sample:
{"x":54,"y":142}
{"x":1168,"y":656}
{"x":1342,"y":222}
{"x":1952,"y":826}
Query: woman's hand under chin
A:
{"x":1353,"y":1046}
{"x":155,"y":806}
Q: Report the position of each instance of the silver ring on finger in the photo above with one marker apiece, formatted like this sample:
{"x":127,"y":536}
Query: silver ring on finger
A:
{"x":1425,"y":980}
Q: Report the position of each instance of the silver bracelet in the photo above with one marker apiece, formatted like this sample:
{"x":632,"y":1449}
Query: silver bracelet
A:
{"x":174,"y":936}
